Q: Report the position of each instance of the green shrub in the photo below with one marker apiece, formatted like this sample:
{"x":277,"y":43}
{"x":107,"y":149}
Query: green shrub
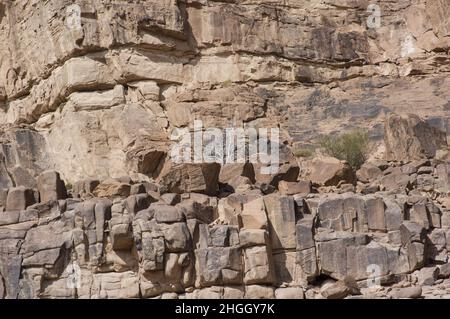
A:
{"x":353,"y":147}
{"x":303,"y":152}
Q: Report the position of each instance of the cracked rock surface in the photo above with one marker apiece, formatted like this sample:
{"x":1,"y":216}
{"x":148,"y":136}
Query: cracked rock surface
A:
{"x":93,"y":92}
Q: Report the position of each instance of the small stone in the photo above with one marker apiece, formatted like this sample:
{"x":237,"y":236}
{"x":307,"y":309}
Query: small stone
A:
{"x":253,"y":237}
{"x":289,"y":293}
{"x":334,"y":290}
{"x":409,"y":292}
{"x":171,"y":198}
{"x":292,"y":188}
{"x":112,"y":188}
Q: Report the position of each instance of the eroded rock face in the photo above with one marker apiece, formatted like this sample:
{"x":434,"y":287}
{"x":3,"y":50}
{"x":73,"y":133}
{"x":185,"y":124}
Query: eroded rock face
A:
{"x":94,"y":94}
{"x":100,"y":94}
{"x":329,"y":171}
{"x":410,"y":138}
{"x":152,"y":243}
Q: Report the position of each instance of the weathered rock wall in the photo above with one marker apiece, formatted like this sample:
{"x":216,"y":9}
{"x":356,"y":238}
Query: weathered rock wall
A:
{"x":120,"y":81}
{"x":97,"y":97}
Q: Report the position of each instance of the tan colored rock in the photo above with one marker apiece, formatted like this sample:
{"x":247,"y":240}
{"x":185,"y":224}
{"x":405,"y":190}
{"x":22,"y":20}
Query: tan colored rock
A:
{"x":407,"y":293}
{"x":19,"y":198}
{"x":289,"y":293}
{"x":259,"y":292}
{"x":282,"y":220}
{"x":293,"y":188}
{"x":334,"y":290}
{"x":115,"y":285}
{"x":51,"y":187}
{"x":395,"y":182}
{"x":258,"y":266}
{"x":231,"y":174}
{"x":93,"y":90}
{"x":112,"y":188}
{"x":329,"y":171}
{"x":254,"y":214}
{"x":410,"y":138}
{"x":186,"y":178}
{"x":375,"y":210}
{"x":368,"y":172}
{"x":253,"y":237}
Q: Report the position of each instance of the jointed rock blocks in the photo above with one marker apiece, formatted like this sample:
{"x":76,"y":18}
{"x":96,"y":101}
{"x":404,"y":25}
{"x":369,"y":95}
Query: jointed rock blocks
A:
{"x":92,"y":204}
{"x":150,"y":244}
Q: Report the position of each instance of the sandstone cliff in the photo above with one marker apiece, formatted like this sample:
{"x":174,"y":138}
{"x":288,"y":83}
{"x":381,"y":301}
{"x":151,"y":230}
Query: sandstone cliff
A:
{"x":94,"y":90}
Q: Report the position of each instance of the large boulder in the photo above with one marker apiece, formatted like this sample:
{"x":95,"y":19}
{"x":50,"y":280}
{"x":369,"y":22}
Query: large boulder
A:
{"x":368,"y":172}
{"x":286,"y":169}
{"x":409,"y":138}
{"x":112,"y":188}
{"x":329,"y":171}
{"x":231,"y":174}
{"x":186,"y":178}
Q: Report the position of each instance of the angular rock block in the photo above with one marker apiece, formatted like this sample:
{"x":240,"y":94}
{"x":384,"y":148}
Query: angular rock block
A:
{"x":51,"y":187}
{"x":292,"y":188}
{"x":123,"y":285}
{"x":219,"y":266}
{"x":368,"y":173}
{"x":121,"y":237}
{"x":410,"y":138}
{"x":153,"y":249}
{"x":375,"y":210}
{"x":254,"y":215}
{"x":258,"y":266}
{"x":329,"y":171}
{"x":166,"y":214}
{"x":186,"y":178}
{"x":305,"y":233}
{"x":112,"y":188}
{"x":343,"y":213}
{"x":198,"y":206}
{"x":84,"y":188}
{"x":19,"y":198}
{"x":282,"y":220}
{"x":253,"y":237}
{"x":230,"y":174}
{"x":289,"y":293}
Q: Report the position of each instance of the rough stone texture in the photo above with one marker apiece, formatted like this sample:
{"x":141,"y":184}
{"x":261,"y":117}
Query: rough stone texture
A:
{"x":410,"y":138}
{"x":99,"y":99}
{"x":329,"y":171}
{"x":19,"y":198}
{"x":292,"y":188}
{"x":51,"y":187}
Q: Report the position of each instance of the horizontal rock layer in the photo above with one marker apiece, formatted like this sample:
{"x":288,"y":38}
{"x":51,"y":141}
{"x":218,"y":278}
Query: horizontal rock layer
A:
{"x":97,"y":91}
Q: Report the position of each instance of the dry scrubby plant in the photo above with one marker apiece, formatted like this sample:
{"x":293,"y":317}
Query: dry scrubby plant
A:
{"x":303,"y":152}
{"x":353,"y":147}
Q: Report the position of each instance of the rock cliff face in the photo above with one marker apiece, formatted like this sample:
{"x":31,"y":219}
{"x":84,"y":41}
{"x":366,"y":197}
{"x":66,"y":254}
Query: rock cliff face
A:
{"x":96,"y":91}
